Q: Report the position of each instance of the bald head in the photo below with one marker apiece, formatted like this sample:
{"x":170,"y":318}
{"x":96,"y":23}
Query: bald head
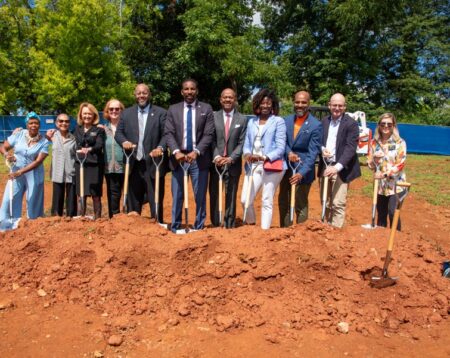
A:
{"x":337,"y":105}
{"x":142,"y":95}
{"x":301,"y":103}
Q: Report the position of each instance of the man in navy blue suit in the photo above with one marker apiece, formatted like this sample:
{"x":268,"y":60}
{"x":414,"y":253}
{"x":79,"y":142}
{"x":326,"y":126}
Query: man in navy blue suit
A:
{"x":303,"y":143}
{"x":340,"y":139}
{"x":189,"y":133}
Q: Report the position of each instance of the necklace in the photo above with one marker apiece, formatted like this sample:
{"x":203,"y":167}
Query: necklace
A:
{"x":32,"y":140}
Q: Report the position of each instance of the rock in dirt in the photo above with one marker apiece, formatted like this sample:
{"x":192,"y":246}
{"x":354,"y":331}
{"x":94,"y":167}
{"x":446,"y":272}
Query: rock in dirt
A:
{"x":6,"y":304}
{"x":225,"y":322}
{"x":115,"y":340}
{"x":98,"y":354}
{"x":41,"y":293}
{"x":342,"y":327}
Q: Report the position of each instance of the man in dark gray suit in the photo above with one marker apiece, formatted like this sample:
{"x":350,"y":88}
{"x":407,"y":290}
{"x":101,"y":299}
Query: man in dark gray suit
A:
{"x":189,"y":134}
{"x":230,"y":128}
{"x":142,"y":126}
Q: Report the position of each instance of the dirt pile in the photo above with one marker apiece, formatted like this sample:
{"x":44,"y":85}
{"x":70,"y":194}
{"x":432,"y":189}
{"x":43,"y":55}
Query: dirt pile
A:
{"x":308,"y":276}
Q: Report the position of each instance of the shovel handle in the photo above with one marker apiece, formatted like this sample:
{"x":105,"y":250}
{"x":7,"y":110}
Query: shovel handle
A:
{"x":247,"y":196}
{"x":293,"y":186}
{"x":185,"y":186}
{"x":325,"y":189}
{"x":127,"y":174}
{"x":393,"y":229}
{"x":404,"y":184}
{"x":157,"y":187}
{"x":376,"y":184}
{"x":82,"y":181}
{"x":220,"y":194}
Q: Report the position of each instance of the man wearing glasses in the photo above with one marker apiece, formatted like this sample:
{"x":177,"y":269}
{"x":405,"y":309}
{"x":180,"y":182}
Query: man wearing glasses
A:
{"x":338,"y":160}
{"x":141,"y":128}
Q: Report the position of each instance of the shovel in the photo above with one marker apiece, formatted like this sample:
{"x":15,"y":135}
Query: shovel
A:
{"x":10,"y":189}
{"x":157,"y":164}
{"x":325,"y":191}
{"x":294,"y":171}
{"x":384,"y":280}
{"x":185,"y":165}
{"x":81,"y":158}
{"x":376,"y":183}
{"x":127,"y":174}
{"x":250,"y":184}
{"x":220,"y":173}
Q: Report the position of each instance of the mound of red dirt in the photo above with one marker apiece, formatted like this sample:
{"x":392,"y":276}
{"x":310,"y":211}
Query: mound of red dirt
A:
{"x":307,"y":276}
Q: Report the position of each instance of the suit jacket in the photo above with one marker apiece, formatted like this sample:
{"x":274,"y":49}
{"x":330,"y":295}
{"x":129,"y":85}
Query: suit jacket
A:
{"x":273,"y":138}
{"x":236,"y":138}
{"x":204,"y":132}
{"x":346,"y":143}
{"x":307,"y":144}
{"x":128,"y":130}
{"x":95,"y":138}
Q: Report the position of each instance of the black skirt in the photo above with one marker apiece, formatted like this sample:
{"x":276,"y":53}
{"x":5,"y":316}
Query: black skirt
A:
{"x":93,"y":179}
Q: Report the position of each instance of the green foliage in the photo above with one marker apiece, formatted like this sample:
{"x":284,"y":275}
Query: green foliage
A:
{"x":383,"y":55}
{"x":74,"y":56}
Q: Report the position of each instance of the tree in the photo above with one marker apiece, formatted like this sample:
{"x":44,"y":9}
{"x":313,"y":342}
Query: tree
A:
{"x":16,"y":28}
{"x":75,"y":55}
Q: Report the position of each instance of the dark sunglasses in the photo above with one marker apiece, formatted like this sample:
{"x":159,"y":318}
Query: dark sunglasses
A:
{"x":385,"y":124}
{"x":111,"y":109}
{"x":63,"y":121}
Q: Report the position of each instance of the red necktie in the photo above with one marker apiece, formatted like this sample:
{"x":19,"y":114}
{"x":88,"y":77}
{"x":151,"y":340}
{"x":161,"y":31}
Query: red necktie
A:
{"x":227,"y":131}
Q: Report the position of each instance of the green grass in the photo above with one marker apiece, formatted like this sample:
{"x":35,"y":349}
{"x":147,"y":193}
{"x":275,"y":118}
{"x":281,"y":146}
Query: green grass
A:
{"x":428,"y":174}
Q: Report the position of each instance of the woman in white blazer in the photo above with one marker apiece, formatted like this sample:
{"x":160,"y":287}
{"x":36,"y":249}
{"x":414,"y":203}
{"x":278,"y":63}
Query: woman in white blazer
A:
{"x":264,"y":148}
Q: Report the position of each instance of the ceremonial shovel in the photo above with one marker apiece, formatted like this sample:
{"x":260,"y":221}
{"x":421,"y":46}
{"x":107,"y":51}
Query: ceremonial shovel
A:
{"x":157,"y":166}
{"x":220,"y":173}
{"x":384,"y":280}
{"x":294,"y":171}
{"x":127,"y":175}
{"x":185,"y":165}
{"x":325,"y":190}
{"x":82,"y":160}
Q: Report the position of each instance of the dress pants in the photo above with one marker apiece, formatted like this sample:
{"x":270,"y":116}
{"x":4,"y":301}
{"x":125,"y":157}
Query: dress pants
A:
{"x":230,"y":185}
{"x":199,"y":180}
{"x":269,"y":182}
{"x":64,"y":192}
{"x":336,"y":200}
{"x":141,"y":183}
{"x":28,"y":184}
{"x":301,"y":201}
{"x":386,"y":205}
{"x":114,"y":187}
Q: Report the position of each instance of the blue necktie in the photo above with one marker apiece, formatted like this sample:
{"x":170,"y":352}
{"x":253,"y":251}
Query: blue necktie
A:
{"x":189,"y":129}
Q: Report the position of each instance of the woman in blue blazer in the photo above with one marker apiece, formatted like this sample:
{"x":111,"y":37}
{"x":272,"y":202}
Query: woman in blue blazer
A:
{"x":264,"y":149}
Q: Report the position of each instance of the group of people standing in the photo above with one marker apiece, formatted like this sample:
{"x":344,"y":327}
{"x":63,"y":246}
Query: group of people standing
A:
{"x":190,"y":139}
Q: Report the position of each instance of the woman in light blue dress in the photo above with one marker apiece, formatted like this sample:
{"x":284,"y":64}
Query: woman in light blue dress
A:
{"x":27,"y":172}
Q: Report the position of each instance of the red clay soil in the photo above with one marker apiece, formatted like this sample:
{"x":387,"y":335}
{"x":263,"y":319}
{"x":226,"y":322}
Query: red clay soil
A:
{"x":127,"y":287}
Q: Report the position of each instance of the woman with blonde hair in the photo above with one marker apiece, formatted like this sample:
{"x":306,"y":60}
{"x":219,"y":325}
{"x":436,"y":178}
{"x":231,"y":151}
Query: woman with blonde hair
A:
{"x":387,"y":156}
{"x":90,"y":140}
{"x":114,"y":173}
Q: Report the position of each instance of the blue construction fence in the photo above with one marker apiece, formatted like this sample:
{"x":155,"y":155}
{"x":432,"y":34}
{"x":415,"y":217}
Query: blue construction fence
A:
{"x":419,"y":138}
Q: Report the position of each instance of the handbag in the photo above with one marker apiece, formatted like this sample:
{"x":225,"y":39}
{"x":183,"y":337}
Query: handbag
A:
{"x":275,"y":166}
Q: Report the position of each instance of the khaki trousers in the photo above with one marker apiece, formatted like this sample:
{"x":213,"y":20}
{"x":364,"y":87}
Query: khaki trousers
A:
{"x":336,"y":200}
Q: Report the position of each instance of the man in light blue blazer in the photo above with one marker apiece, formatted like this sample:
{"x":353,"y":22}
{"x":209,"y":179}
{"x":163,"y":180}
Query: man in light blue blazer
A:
{"x":303,"y":144}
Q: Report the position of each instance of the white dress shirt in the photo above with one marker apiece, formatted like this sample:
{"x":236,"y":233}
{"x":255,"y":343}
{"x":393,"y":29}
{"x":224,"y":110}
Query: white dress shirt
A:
{"x":331,"y":141}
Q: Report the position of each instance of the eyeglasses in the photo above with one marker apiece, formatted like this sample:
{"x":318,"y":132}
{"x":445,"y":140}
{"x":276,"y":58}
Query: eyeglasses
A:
{"x":111,"y":109}
{"x":67,"y":121}
{"x":386,"y":124}
{"x":337,"y":105}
